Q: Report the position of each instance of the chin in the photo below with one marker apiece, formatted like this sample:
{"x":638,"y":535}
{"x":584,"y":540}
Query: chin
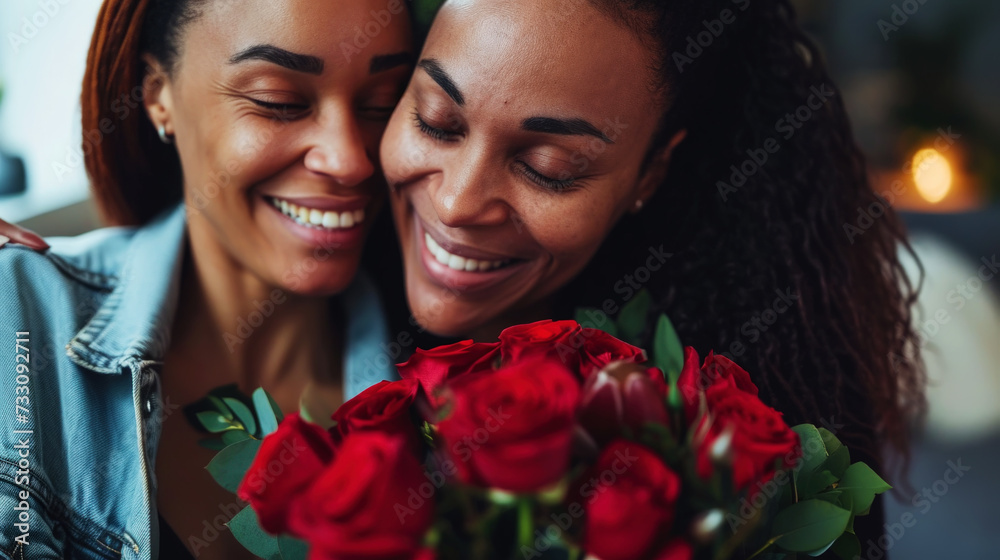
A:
{"x":446,"y":317}
{"x":328,"y":279}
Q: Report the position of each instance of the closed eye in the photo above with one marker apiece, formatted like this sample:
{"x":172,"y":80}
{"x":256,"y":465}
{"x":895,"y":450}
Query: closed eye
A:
{"x":288,"y":110}
{"x":433,"y":131}
{"x":556,"y":185}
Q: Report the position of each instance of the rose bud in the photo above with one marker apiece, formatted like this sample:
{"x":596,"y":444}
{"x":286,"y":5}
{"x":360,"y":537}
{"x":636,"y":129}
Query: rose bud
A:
{"x":621,"y":395}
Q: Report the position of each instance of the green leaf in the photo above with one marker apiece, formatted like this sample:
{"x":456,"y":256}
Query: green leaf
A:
{"x":424,"y":10}
{"x":234,"y":436}
{"x":847,"y":547}
{"x":232,"y":463}
{"x":632,"y":319}
{"x":220,"y":406}
{"x":813,"y":448}
{"x":591,"y":318}
{"x":830,"y":441}
{"x":267,"y":414}
{"x":243,"y":414}
{"x":844,"y":501}
{"x":819,"y":551}
{"x":812,"y":483}
{"x":834,"y":497}
{"x":216,"y":444}
{"x":247,"y":530}
{"x":809,"y":525}
{"x":668,"y":354}
{"x":861,"y":482}
{"x":292,"y":548}
{"x":215,"y":422}
{"x":837,"y":462}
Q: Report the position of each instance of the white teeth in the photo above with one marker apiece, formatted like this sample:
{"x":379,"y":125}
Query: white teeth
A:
{"x":331,"y":220}
{"x":319,"y":219}
{"x":456,"y":262}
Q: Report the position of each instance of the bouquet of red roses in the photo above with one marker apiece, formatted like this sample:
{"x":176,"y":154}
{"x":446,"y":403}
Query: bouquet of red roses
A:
{"x":557,"y":441}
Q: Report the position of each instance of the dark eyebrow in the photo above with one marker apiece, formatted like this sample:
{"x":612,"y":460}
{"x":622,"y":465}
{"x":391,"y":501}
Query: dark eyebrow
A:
{"x":434,"y":70}
{"x":286,"y":59}
{"x":551,"y":125}
{"x":384,"y":62}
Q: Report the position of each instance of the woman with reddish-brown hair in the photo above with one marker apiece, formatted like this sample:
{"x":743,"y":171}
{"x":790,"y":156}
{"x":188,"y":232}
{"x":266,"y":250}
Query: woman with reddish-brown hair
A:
{"x":264,"y":119}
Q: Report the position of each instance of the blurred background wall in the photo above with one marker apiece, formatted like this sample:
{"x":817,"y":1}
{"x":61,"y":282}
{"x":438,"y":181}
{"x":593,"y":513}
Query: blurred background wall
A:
{"x":921,"y":81}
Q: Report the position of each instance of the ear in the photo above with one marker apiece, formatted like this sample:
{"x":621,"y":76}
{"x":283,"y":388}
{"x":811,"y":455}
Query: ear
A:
{"x":656,"y":172}
{"x":157,"y":94}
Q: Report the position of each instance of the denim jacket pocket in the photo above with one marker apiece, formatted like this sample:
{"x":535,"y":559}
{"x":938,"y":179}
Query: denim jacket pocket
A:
{"x":43,"y":527}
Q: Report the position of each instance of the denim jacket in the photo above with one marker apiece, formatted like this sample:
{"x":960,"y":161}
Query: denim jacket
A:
{"x":83,"y":331}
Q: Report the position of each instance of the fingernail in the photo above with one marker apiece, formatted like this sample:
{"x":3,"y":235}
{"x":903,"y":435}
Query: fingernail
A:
{"x":4,"y":240}
{"x":35,"y":241}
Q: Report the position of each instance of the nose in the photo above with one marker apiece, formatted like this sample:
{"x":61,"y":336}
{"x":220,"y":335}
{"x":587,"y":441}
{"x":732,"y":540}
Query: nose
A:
{"x":472,"y":195}
{"x":340,"y":152}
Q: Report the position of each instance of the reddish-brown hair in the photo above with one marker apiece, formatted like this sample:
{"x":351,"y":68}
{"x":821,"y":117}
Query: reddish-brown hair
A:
{"x":133,"y":175}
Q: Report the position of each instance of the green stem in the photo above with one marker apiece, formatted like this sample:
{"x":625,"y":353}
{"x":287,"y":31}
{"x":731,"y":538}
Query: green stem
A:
{"x":763,"y":548}
{"x":525,"y":522}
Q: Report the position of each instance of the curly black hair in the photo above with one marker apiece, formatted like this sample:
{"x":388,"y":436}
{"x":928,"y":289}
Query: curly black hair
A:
{"x":763,"y":196}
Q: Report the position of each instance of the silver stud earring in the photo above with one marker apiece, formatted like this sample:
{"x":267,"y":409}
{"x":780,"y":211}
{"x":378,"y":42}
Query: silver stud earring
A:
{"x":162,"y":131}
{"x":639,"y":204}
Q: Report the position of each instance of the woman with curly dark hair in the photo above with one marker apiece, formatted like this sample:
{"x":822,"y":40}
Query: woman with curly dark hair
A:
{"x":706,"y":145}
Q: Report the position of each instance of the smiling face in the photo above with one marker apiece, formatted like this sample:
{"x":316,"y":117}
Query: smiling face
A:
{"x":515,"y":150}
{"x":277,"y":108}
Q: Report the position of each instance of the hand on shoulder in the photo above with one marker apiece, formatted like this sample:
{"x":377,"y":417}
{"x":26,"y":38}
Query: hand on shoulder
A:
{"x":10,"y":232}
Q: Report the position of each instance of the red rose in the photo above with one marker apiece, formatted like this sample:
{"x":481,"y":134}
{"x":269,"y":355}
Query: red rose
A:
{"x":717,"y":369}
{"x":358,"y":509}
{"x":557,"y":340}
{"x":385,"y":407}
{"x":433,"y":367}
{"x":634,"y":504}
{"x":761,"y":440}
{"x":600,"y":349}
{"x":622,"y":395}
{"x":677,"y":549}
{"x":512,"y":429}
{"x":286,"y":464}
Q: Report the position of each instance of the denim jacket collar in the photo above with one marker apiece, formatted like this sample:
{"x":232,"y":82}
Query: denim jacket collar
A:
{"x":135,"y":319}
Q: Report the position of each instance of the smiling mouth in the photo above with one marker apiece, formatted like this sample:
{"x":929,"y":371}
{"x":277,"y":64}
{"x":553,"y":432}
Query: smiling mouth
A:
{"x":456,"y":262}
{"x":318,"y":219}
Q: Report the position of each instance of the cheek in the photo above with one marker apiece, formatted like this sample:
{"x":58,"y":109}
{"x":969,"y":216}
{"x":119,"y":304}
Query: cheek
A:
{"x":248,"y":153}
{"x":571,"y":231}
